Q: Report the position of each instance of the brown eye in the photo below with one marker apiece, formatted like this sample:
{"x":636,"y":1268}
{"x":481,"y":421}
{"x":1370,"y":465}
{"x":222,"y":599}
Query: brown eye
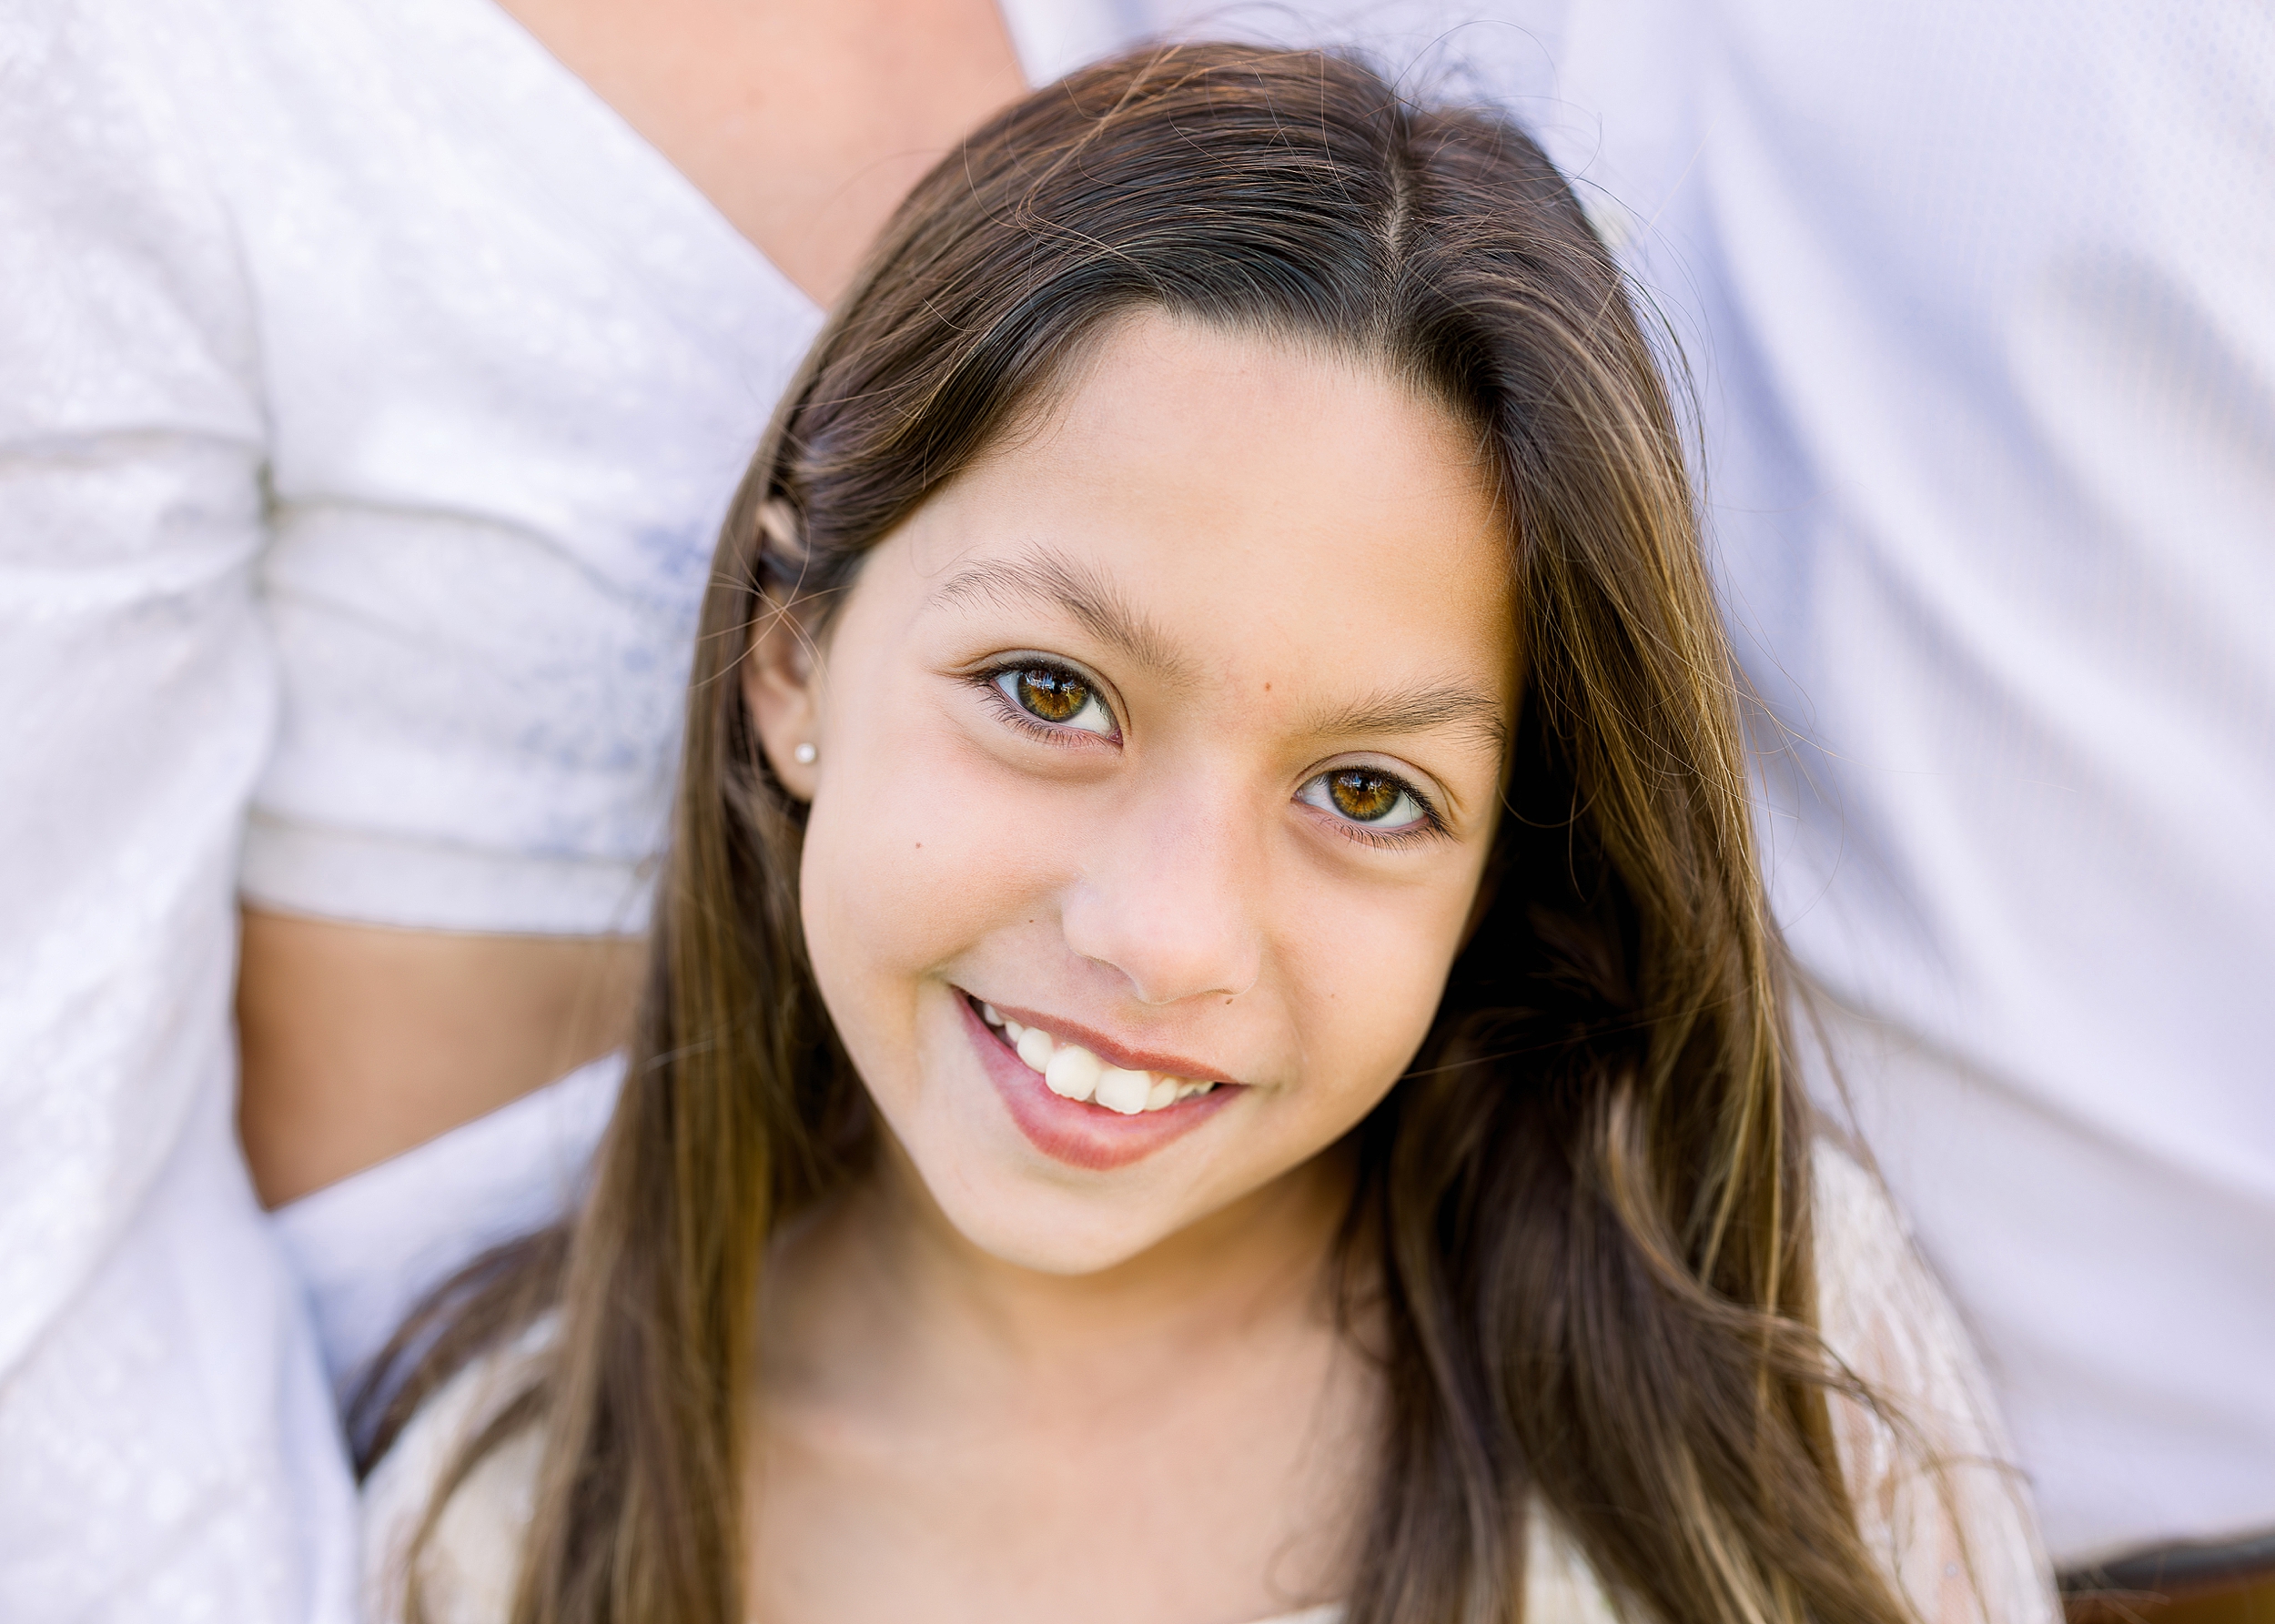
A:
{"x":1387,"y":806}
{"x":1363,"y":797}
{"x":1054,"y":694}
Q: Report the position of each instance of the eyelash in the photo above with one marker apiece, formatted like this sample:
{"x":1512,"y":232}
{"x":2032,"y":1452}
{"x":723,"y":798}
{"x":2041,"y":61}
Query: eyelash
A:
{"x":1432,"y":827}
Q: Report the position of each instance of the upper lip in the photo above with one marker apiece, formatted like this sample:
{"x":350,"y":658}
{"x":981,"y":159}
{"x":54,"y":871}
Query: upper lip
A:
{"x":1114,"y":1053}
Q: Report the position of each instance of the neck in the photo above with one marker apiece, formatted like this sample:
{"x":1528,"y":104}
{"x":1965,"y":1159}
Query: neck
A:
{"x":883,"y":1283}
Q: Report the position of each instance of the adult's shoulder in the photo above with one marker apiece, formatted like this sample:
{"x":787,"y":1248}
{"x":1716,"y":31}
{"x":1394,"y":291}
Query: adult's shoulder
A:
{"x":157,"y":44}
{"x":470,"y":1559}
{"x":110,"y":119}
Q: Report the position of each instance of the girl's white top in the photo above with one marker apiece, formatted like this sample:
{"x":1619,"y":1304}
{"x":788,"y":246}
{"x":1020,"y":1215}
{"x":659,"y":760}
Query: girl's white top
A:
{"x":1961,"y":1544}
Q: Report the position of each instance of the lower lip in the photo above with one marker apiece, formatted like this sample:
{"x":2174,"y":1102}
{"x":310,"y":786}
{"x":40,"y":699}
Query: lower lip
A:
{"x":1073,"y":1131}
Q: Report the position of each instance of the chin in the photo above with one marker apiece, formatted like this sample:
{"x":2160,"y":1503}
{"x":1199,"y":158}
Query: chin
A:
{"x":1053,"y":1236}
{"x":1001,"y":1199}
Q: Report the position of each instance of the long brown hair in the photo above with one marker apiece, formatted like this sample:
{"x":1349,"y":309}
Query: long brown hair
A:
{"x":1588,"y":1203}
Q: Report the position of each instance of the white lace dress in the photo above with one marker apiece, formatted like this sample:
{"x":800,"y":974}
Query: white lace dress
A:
{"x":1962,"y":1548}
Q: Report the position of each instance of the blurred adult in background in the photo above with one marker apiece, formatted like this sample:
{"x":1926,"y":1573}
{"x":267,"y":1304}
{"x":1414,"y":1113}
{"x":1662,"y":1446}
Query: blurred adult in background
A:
{"x":374,"y":380}
{"x":1977,"y":299}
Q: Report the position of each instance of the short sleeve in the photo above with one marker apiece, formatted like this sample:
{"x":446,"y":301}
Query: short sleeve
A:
{"x":1937,"y":1497}
{"x":166,"y":1449}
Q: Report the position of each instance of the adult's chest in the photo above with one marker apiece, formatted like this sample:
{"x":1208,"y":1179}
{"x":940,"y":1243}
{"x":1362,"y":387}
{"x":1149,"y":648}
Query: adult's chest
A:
{"x":803,"y":124}
{"x":480,"y":295}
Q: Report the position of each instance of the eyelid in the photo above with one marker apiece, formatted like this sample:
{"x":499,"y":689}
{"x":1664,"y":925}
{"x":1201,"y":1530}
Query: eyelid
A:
{"x":1406,"y":778}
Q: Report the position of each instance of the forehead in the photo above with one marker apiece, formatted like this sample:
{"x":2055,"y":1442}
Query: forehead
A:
{"x":1245,"y":497}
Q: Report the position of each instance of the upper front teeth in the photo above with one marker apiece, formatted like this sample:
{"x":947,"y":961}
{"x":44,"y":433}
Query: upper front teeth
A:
{"x":1072,"y":1071}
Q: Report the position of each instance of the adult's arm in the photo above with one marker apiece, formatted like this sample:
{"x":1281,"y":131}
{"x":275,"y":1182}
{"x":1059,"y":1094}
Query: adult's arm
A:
{"x":166,"y":1444}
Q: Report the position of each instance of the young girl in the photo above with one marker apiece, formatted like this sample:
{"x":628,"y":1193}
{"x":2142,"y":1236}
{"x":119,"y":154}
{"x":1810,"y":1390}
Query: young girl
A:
{"x":1213,"y":1047}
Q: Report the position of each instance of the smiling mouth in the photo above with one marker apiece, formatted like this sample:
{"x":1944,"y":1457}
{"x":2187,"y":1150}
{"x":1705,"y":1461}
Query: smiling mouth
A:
{"x":1072,"y":1073}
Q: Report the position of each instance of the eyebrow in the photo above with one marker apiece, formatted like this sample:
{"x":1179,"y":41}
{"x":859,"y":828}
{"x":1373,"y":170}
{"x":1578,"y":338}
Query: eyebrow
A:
{"x":1050,"y":578}
{"x":1082,"y":591}
{"x":1419,"y":710}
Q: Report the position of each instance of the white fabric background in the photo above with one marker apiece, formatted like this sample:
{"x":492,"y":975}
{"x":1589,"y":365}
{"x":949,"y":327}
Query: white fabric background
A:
{"x":1987,"y":362}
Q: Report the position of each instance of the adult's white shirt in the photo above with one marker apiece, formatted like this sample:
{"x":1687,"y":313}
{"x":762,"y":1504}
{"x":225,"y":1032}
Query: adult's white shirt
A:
{"x":1982,"y":305}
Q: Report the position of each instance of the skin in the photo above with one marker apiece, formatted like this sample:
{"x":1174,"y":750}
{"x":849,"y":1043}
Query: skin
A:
{"x":803,"y":125}
{"x":997,"y":1385}
{"x":355,"y":1042}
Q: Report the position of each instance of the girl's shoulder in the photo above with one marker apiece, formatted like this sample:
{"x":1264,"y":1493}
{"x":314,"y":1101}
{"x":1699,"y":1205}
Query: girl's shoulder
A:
{"x":1935,"y":1497}
{"x":1880,"y":1308}
{"x":471,"y":1559}
{"x":1928,"y":1464}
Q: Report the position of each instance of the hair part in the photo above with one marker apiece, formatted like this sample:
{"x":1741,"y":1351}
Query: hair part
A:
{"x":1587,"y":1207}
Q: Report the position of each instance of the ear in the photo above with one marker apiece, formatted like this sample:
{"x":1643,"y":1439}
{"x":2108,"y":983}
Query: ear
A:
{"x":782,"y":687}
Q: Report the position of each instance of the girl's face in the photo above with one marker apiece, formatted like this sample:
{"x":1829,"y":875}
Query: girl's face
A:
{"x":1163,"y":748}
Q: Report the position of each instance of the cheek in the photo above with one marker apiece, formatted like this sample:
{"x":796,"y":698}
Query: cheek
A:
{"x":913,"y":855}
{"x":1370,"y":972}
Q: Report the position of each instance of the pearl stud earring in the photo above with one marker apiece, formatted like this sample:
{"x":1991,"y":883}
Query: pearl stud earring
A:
{"x":804,"y":755}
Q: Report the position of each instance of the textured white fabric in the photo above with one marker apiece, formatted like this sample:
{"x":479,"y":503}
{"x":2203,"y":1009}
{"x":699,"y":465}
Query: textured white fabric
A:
{"x":494,"y":491}
{"x":1961,"y":1543}
{"x":166,"y":1440}
{"x":166,"y":1443}
{"x":368,"y":395}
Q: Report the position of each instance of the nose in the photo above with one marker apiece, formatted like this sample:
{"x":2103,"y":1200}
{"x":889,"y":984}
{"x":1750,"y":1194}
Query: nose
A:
{"x":1169,"y":898}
